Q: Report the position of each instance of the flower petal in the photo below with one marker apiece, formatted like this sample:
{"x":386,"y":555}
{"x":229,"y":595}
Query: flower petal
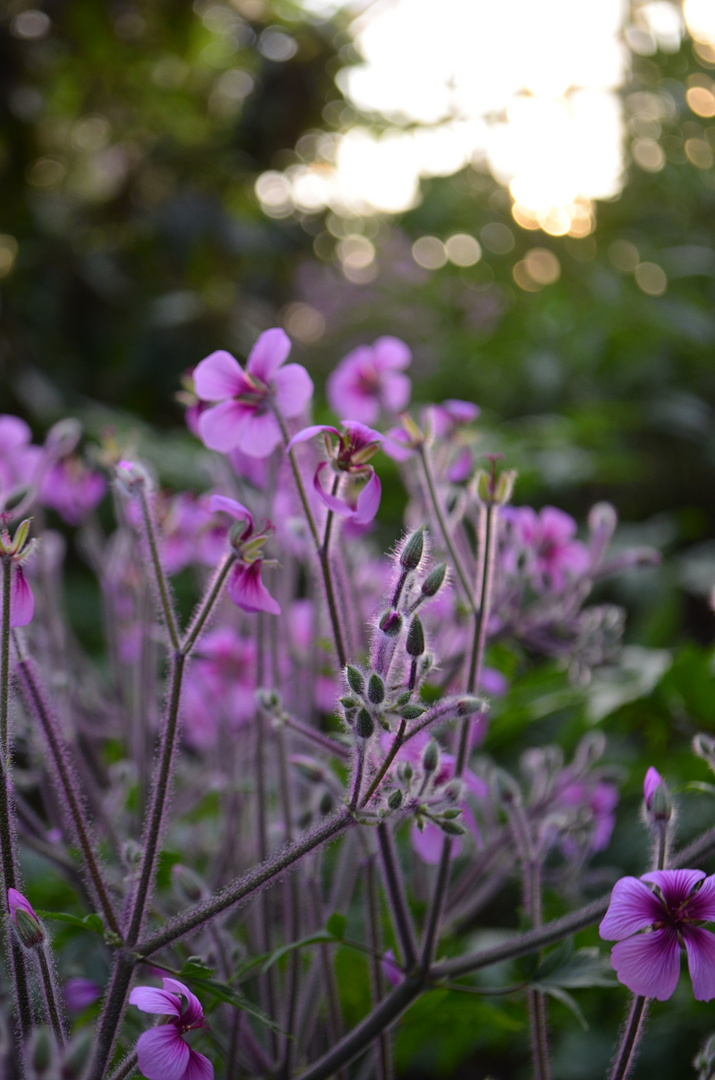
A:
{"x":220,"y":427}
{"x":395,"y":392}
{"x":391,"y":354}
{"x":270,"y":351}
{"x":676,"y":885}
{"x":648,"y":964}
{"x":653,"y":779}
{"x":310,"y":433}
{"x":247,"y":590}
{"x":192,"y":1013}
{"x":429,"y":843}
{"x":199,"y":1067}
{"x":151,"y":999}
{"x":633,"y":907}
{"x":162,"y":1053}
{"x":368,"y":501}
{"x":700,"y":946}
{"x":338,"y":506}
{"x":22,"y":602}
{"x":259,"y":435}
{"x":219,"y":376}
{"x":294,"y":389}
{"x":702,"y":903}
{"x":236,"y":509}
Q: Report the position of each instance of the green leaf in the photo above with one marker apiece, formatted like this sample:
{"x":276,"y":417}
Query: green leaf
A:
{"x":336,"y":925}
{"x":565,"y":999}
{"x":227,"y":994}
{"x":584,"y":968}
{"x":92,"y":922}
{"x":315,"y":939}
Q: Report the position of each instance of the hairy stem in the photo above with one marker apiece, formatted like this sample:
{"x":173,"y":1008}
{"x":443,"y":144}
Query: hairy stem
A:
{"x":166,"y":606}
{"x":5,"y":657}
{"x":48,"y":986}
{"x":444,"y":528}
{"x":625,"y":1055}
{"x":396,"y":895}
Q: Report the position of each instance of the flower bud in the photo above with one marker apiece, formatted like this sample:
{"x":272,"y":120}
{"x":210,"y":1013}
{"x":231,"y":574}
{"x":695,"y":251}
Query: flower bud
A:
{"x":430,"y":756}
{"x":356,"y":679}
{"x":391,"y":623}
{"x":467,"y":706}
{"x":364,"y":725}
{"x":434,"y":580}
{"x":450,"y":828}
{"x":411,"y":554}
{"x":395,"y":800}
{"x":415,"y":638}
{"x":412,"y":712}
{"x":375,"y":689}
{"x":658,"y":803}
{"x":29,"y":928}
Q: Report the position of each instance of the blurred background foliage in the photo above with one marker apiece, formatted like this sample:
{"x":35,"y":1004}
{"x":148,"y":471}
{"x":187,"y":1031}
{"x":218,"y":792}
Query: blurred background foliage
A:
{"x":133,"y":243}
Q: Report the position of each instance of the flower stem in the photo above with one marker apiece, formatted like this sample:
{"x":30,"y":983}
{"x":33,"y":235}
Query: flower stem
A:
{"x":321,"y":549}
{"x":383,"y":1068}
{"x":625,"y":1055}
{"x":207,"y":604}
{"x":396,"y":895}
{"x":48,"y":986}
{"x":166,"y":605}
{"x":58,"y":751}
{"x":444,"y":529}
{"x":127,"y":1067}
{"x":388,"y":759}
{"x":5,"y":656}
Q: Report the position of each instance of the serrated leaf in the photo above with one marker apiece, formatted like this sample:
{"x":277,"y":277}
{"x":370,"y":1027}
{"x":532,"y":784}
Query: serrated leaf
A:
{"x":336,"y":925}
{"x":565,"y":999}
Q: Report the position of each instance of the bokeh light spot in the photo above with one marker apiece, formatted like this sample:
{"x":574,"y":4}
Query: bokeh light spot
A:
{"x":303,"y":323}
{"x":648,"y":154}
{"x":497,"y":238}
{"x":429,"y":252}
{"x":8,"y":253}
{"x":463,"y":250}
{"x":651,"y":278}
{"x":624,"y":255}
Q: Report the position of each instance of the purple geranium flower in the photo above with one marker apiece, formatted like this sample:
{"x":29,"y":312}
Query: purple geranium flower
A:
{"x":245,"y":586}
{"x":349,"y":458}
{"x":244,"y":417}
{"x":649,"y":963}
{"x":162,"y":1052}
{"x":72,"y":489}
{"x":369,"y":379}
{"x":546,"y":540}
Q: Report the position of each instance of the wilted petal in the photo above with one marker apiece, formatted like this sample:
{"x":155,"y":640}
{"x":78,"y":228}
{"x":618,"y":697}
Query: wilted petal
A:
{"x":230,"y":506}
{"x":151,"y":999}
{"x":270,"y":351}
{"x":648,"y":964}
{"x":294,"y":389}
{"x":701,"y":905}
{"x":162,"y":1053}
{"x":391,"y":354}
{"x":676,"y":885}
{"x":396,"y":390}
{"x":259,"y":435}
{"x":22,"y":602}
{"x":199,"y":1067}
{"x":219,"y":376}
{"x":633,"y":907}
{"x":220,"y":427}
{"x":310,"y":432}
{"x":368,"y":501}
{"x":700,"y":947}
{"x":247,"y":590}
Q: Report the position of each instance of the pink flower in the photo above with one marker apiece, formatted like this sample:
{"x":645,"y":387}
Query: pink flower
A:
{"x":245,"y":586}
{"x":72,"y":489}
{"x":80,"y":994}
{"x":162,"y":1052}
{"x":22,"y":602}
{"x":28,"y":926}
{"x":546,"y":541}
{"x":244,"y":417}
{"x":649,"y":963}
{"x":356,"y":445}
{"x":219,"y":687}
{"x":369,"y":380}
{"x":19,"y":460}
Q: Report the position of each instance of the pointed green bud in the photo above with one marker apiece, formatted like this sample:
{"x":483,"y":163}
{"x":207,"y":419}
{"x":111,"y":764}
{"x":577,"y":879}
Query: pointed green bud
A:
{"x":375,"y":689}
{"x":20,"y":538}
{"x":403,"y":698}
{"x":430,"y":756}
{"x":349,"y":703}
{"x":411,"y":555}
{"x":467,"y":706}
{"x":356,"y":680}
{"x":412,"y":712}
{"x":364,"y":725}
{"x":391,"y":623}
{"x":450,"y":815}
{"x":434,"y":580}
{"x":415,"y":638}
{"x":451,"y":828}
{"x":395,"y":800}
{"x":407,"y":772}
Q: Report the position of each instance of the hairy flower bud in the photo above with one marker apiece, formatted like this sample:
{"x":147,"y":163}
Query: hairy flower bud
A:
{"x":375,"y":689}
{"x":391,"y":623}
{"x":434,"y":580}
{"x":364,"y":724}
{"x":430,"y":756}
{"x":29,"y":928}
{"x":415,"y":637}
{"x":467,"y":706}
{"x":411,"y":554}
{"x":356,"y":679}
{"x":395,"y":800}
{"x":658,"y":803}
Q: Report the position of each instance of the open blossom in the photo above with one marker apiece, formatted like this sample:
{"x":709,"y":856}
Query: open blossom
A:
{"x":219,"y":687}
{"x":544,"y":542}
{"x":245,"y":585}
{"x":19,"y":460}
{"x":370,"y":380}
{"x":72,"y":489}
{"x":348,"y":459}
{"x":162,"y":1052}
{"x":649,"y":918}
{"x":244,"y":416}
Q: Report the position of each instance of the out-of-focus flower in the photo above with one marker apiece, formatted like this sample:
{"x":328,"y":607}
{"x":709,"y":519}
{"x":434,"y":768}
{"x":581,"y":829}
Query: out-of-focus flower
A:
{"x":219,"y":687}
{"x":667,"y":905}
{"x":596,"y":800}
{"x":244,"y":417}
{"x":542,"y":545}
{"x":245,"y":585}
{"x":370,"y":380}
{"x":81,"y":993}
{"x":652,"y":780}
{"x":72,"y":489}
{"x":19,"y":460}
{"x":162,"y":1052}
{"x":347,"y":459}
{"x":390,"y":968}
